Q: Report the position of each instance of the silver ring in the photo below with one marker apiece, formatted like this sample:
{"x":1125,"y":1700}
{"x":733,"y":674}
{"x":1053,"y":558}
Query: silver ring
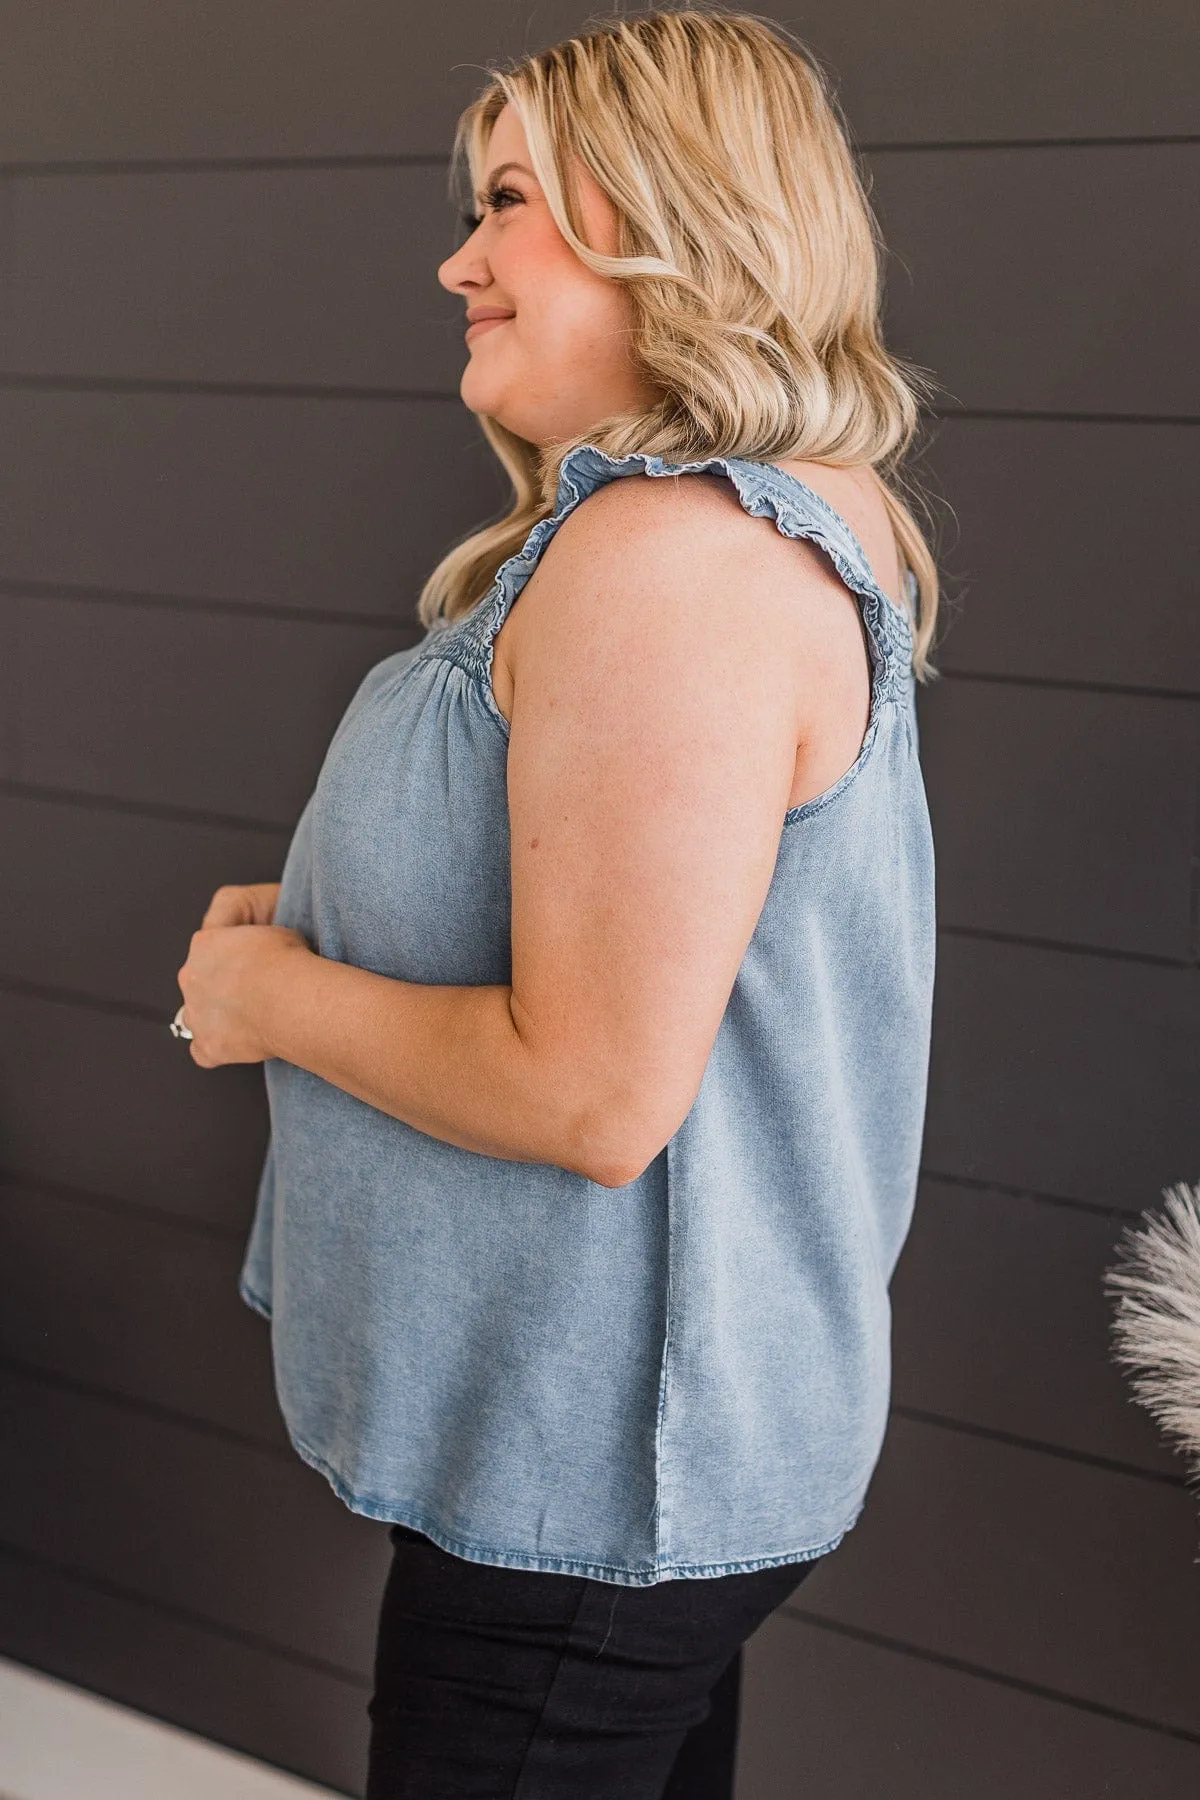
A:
{"x":178,"y":1028}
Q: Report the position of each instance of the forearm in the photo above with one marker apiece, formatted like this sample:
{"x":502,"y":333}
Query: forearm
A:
{"x":448,"y":1061}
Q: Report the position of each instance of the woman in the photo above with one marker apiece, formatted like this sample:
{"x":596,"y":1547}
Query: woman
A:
{"x":595,"y":998}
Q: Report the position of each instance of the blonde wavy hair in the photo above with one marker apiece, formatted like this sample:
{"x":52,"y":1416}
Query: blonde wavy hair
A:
{"x":751,"y":254}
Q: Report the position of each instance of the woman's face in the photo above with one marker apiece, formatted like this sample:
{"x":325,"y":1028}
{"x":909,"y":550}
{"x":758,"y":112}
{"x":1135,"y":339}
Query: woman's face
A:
{"x":559,"y":362}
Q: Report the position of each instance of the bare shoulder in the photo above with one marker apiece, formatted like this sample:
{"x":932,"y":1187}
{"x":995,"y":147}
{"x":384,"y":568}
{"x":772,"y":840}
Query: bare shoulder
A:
{"x":653,"y":510}
{"x":682,"y":551}
{"x":679,"y":540}
{"x":700,"y":517}
{"x":654,"y":567}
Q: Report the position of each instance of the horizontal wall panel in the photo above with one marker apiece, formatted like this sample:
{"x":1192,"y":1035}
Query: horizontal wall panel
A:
{"x":1070,"y":551}
{"x":89,"y":81}
{"x":268,"y":80}
{"x":1025,"y":279}
{"x":1064,"y":814}
{"x":1031,"y":280}
{"x":318,"y":276}
{"x":95,"y":1101}
{"x":148,"y":883}
{"x":1063,"y":1074}
{"x":826,"y":1717}
{"x":1000,"y":1320}
{"x":1033,"y":1566}
{"x":298,"y":1718}
{"x":341,"y":506}
{"x":142,"y":1309}
{"x":239,"y":1537}
{"x":226,"y":713}
{"x":1083,"y":68}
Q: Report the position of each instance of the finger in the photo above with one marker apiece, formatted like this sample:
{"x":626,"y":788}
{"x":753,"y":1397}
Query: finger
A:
{"x":263,"y":896}
{"x":229,"y":906}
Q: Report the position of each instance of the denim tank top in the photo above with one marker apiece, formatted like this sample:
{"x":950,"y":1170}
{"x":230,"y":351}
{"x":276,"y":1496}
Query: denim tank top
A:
{"x":685,"y":1376}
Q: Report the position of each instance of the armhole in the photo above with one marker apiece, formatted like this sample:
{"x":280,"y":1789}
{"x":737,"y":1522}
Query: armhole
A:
{"x":878,"y":672}
{"x":886,"y":627}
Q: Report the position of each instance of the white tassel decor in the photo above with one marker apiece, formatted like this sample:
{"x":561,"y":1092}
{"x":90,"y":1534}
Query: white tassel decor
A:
{"x":1156,"y":1327}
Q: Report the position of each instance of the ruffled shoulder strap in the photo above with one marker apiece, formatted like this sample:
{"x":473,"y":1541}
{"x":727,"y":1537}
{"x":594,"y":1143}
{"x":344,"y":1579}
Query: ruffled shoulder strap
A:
{"x":764,"y":490}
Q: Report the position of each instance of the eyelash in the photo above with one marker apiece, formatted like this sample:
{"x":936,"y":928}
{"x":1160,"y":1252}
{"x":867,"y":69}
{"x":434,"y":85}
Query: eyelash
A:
{"x":472,"y":221}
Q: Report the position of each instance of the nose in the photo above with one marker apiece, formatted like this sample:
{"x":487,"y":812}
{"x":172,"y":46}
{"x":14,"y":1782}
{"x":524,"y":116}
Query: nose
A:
{"x":464,"y":270}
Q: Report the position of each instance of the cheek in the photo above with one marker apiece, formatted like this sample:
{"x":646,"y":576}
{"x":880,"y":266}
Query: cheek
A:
{"x":549,"y":282}
{"x":573,"y":320}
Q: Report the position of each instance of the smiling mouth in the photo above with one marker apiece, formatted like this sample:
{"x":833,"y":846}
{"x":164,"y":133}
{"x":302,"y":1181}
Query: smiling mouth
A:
{"x":482,"y":325}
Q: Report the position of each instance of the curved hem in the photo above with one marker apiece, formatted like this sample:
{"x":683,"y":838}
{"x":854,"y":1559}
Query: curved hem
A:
{"x":618,"y":1574}
{"x":252,"y":1299}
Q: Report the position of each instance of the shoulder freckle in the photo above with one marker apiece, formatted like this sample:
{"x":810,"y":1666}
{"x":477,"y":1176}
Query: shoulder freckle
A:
{"x":669,"y":512}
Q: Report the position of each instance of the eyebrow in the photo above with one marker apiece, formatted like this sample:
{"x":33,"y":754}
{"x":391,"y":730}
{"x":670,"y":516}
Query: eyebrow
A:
{"x":495,"y":175}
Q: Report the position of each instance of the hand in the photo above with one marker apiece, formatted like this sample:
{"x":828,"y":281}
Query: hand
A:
{"x":253,"y":905}
{"x":227,"y":983}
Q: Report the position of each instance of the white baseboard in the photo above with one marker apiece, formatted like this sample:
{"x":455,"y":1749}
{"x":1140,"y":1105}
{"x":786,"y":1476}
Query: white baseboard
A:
{"x":58,"y":1742}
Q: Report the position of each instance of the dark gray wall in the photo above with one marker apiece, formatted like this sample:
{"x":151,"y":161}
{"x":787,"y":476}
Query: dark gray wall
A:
{"x":234,"y":447}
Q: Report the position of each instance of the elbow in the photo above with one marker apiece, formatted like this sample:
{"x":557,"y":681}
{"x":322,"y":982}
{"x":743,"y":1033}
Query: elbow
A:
{"x":608,"y":1132}
{"x":620,"y":1175}
{"x":612,"y":1148}
{"x":614,"y":1175}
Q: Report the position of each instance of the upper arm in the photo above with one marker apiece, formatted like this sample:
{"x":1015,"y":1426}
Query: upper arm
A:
{"x":651,"y":753}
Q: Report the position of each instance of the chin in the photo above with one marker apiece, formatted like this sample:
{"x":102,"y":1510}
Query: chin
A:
{"x":478,"y":394}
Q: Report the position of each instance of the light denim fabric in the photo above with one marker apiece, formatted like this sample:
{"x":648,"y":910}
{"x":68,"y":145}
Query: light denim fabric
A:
{"x":685,"y":1376}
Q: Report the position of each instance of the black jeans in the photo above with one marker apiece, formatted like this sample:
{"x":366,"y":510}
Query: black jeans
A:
{"x":512,"y":1684}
